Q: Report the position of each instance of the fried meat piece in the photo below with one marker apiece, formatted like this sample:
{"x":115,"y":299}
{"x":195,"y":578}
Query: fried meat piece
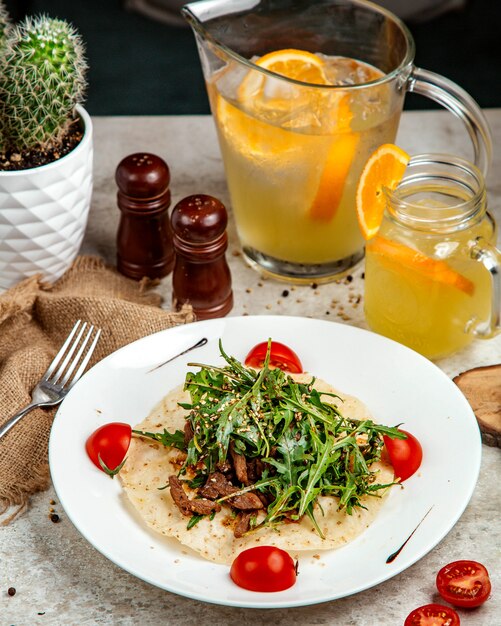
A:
{"x":187,"y":506}
{"x":218,"y":486}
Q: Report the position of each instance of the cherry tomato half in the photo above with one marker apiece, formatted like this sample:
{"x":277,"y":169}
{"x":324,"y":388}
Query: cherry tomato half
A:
{"x":405,"y":455}
{"x":464,"y":583}
{"x":264,"y":568}
{"x":109,"y":443}
{"x":281,"y":356}
{"x":432,"y":615}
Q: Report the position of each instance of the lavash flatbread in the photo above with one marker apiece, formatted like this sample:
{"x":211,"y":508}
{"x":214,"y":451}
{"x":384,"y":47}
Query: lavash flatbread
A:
{"x":149,"y":464}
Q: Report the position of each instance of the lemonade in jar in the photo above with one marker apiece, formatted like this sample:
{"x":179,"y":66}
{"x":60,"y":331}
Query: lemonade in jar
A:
{"x":432,"y":268}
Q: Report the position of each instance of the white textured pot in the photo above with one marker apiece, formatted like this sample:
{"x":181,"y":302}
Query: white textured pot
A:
{"x":43,"y":213}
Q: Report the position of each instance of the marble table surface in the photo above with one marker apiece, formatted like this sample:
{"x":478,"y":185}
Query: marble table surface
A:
{"x":61,"y":579}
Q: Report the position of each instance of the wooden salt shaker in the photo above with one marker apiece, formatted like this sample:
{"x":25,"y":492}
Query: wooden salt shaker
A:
{"x":144,"y":238}
{"x":201,"y":274}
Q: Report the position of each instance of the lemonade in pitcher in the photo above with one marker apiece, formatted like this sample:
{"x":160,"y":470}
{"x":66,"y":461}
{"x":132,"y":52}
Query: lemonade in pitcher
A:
{"x":302,"y":92}
{"x":293,"y":154}
{"x":424,"y":284}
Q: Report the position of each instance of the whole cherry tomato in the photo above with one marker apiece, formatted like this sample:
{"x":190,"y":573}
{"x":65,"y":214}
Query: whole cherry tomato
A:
{"x":432,"y":615}
{"x":108,"y":445}
{"x":464,"y":583}
{"x":281,"y":357}
{"x":405,"y":455}
{"x":264,"y":568}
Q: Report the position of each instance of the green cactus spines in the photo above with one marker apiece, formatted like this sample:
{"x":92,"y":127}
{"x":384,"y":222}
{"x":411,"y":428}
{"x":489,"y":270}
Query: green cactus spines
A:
{"x":4,"y":28}
{"x":42,"y":79}
{"x":4,"y":23}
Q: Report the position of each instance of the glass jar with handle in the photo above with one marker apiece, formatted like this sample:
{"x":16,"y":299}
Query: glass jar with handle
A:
{"x":432,"y":276}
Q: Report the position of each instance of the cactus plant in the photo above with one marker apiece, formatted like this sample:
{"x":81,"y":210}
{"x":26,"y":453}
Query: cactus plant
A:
{"x":42,"y":78}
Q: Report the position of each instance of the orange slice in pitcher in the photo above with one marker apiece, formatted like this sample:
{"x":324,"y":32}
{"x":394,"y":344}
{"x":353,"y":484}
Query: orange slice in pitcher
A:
{"x":250,"y":136}
{"x":337,"y":164}
{"x":401,"y":256}
{"x":296,"y":64}
{"x":333,"y":177}
{"x":385,"y":168}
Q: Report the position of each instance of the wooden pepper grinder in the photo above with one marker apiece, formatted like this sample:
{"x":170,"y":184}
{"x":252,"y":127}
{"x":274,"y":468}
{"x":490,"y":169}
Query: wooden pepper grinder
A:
{"x":144,"y":238}
{"x":201,"y":274}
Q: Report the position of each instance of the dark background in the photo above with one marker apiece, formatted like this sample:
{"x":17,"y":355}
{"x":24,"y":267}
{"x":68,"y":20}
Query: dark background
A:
{"x":140,"y":66}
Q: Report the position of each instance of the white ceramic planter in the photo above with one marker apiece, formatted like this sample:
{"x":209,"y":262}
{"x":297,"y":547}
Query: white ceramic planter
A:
{"x":43,"y":214}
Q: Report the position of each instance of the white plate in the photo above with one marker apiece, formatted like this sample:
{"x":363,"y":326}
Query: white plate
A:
{"x":397,"y":384}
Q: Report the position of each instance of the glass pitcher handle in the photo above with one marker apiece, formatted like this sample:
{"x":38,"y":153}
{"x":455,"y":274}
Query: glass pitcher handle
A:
{"x":459,"y":102}
{"x":490,"y":257}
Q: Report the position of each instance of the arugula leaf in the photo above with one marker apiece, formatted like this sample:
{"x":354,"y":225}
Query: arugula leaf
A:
{"x":167,"y":439}
{"x":194,"y":519}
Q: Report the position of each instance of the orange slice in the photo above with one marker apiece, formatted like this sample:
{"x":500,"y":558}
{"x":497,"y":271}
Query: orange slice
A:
{"x":385,"y":168}
{"x":333,"y":177}
{"x":296,"y":64}
{"x":401,"y":256}
{"x":251,"y":137}
{"x":337,"y":165}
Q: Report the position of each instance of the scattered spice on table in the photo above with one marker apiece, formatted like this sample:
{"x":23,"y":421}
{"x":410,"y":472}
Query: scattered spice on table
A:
{"x":55,"y":518}
{"x":314,"y":286}
{"x":285,"y":293}
{"x":11,"y":591}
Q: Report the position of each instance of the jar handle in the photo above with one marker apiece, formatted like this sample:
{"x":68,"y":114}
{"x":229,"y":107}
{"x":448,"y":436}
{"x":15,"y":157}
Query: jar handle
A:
{"x":459,"y":102}
{"x":490,"y":257}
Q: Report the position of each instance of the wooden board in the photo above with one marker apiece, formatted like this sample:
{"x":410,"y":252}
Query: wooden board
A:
{"x":482,"y":388}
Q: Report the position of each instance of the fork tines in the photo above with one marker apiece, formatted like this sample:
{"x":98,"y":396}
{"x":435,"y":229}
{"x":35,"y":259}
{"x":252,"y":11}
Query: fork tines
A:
{"x":75,"y":352}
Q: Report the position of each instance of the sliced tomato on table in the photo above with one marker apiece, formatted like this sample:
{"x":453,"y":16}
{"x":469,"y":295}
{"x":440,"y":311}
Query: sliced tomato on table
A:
{"x":281,"y":357}
{"x":264,"y":568}
{"x":432,"y":615}
{"x":464,"y":583}
{"x":108,"y":445}
{"x":405,"y":455}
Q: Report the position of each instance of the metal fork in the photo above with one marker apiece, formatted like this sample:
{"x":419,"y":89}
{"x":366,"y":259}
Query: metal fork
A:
{"x":60,"y":375}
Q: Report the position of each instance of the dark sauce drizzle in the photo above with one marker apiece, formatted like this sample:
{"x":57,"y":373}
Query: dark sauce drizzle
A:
{"x":394,"y":555}
{"x":199,"y":344}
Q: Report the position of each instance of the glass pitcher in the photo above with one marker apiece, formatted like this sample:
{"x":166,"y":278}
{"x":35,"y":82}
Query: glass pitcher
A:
{"x":293,"y":149}
{"x":432,"y":273}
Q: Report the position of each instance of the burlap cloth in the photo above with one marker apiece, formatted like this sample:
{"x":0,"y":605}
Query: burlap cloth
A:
{"x":35,"y":318}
